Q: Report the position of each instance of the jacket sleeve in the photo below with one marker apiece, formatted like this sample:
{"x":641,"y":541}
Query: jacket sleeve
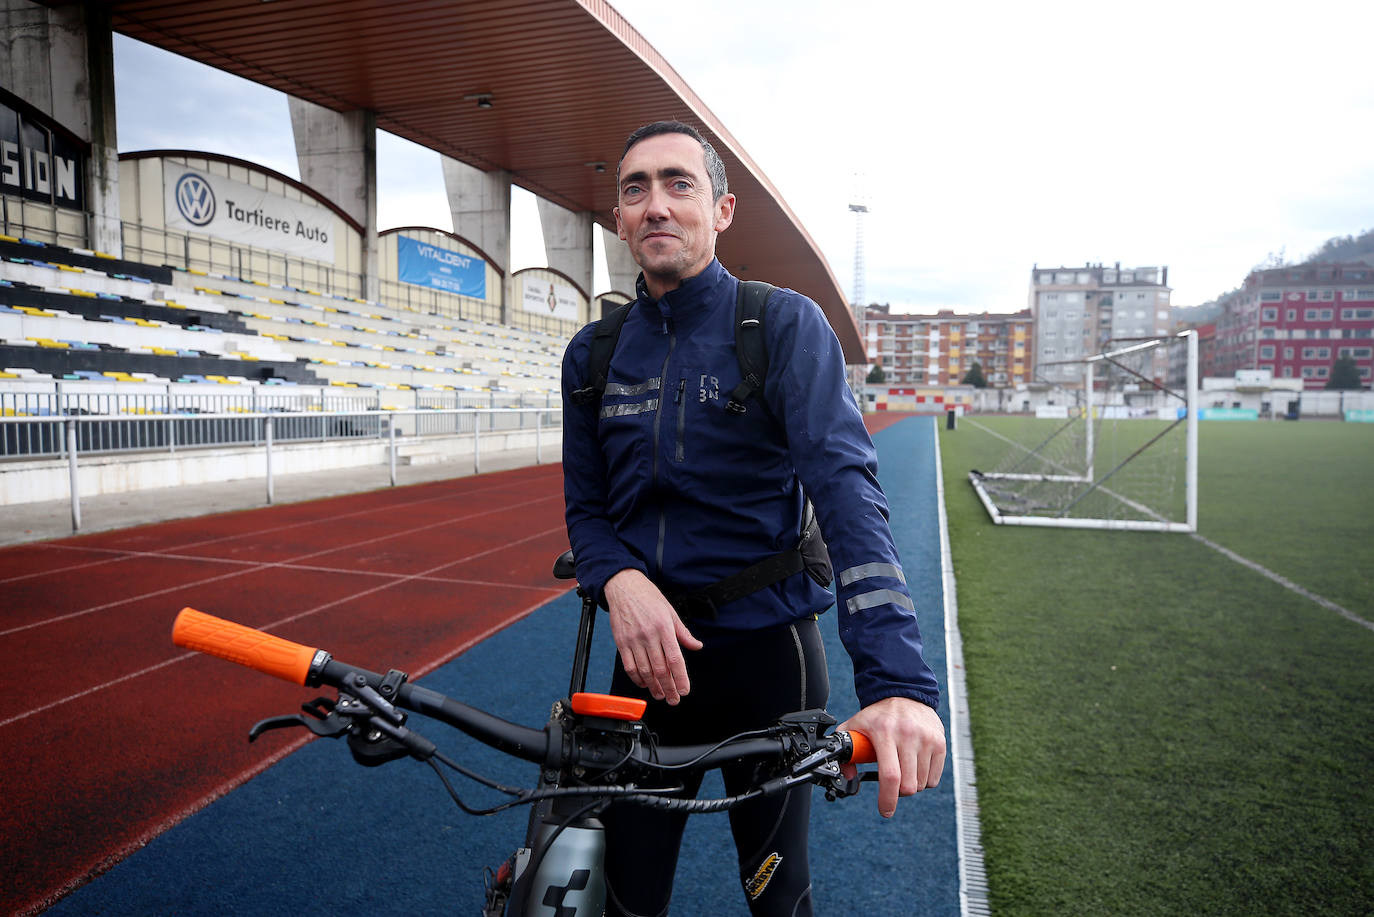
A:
{"x":834,"y":456}
{"x":597,"y":550}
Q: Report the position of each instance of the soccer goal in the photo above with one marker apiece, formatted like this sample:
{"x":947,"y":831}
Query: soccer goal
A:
{"x":1112,"y":445}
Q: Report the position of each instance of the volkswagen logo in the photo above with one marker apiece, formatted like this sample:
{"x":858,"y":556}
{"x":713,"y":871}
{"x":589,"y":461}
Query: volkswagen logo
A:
{"x":195,"y":199}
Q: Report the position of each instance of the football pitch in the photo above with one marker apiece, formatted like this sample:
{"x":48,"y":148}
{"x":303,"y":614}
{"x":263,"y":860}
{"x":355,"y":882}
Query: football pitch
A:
{"x":1158,"y":728}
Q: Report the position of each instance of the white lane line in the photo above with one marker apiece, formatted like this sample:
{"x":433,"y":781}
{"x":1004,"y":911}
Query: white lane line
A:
{"x":278,"y":623}
{"x":122,"y":554}
{"x":1285,"y":583}
{"x":973,"y":882}
{"x":278,"y":564}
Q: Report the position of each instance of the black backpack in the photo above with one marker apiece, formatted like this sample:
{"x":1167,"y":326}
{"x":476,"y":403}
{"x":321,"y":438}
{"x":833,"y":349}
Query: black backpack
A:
{"x":751,"y":351}
{"x":750,"y":348}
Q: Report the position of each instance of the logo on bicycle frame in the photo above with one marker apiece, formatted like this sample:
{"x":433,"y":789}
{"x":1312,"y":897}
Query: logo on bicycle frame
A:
{"x":195,"y":199}
{"x":555,"y":895}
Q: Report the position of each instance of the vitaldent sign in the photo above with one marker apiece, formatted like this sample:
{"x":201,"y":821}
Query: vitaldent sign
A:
{"x":430,"y":266}
{"x":217,"y":206}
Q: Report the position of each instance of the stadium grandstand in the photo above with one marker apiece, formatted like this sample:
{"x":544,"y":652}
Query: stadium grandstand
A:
{"x":139,"y":288}
{"x":173,"y":315}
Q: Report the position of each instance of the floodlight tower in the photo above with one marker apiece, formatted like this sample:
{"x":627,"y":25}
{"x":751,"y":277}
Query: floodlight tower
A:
{"x":859,"y":376}
{"x":858,"y":298}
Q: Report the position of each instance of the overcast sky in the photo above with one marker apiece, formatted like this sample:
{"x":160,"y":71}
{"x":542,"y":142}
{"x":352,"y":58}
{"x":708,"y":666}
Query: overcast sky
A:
{"x":984,"y":138}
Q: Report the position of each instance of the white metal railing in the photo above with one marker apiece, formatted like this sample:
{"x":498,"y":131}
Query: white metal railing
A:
{"x":155,"y":416}
{"x":336,"y":426}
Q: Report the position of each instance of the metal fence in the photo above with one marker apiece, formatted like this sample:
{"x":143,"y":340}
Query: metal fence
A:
{"x":166,"y":420}
{"x":70,"y":434}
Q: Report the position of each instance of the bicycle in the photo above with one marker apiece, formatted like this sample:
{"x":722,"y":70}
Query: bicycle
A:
{"x":593,"y":751}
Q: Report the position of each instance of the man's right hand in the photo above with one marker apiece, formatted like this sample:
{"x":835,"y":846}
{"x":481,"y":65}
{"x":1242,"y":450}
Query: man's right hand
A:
{"x":649,"y":635}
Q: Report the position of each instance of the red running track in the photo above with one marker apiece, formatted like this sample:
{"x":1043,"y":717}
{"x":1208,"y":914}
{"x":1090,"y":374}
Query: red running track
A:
{"x":112,"y":734}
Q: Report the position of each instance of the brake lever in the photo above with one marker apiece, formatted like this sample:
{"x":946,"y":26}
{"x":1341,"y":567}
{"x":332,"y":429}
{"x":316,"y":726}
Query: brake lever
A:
{"x":323,"y":721}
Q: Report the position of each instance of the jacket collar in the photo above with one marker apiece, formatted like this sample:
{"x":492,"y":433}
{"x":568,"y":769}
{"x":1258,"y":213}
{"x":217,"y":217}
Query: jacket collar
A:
{"x":685,"y":305}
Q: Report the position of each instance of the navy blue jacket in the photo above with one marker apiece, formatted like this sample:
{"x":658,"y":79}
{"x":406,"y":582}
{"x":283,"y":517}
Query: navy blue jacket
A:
{"x":660,"y":478}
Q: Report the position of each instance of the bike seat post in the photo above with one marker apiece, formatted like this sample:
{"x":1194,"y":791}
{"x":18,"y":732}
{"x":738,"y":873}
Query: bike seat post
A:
{"x":582,"y":655}
{"x":565,"y":568}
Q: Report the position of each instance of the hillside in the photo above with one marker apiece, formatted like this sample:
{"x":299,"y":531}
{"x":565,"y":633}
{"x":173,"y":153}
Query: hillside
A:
{"x":1337,"y":248}
{"x":1345,"y":248}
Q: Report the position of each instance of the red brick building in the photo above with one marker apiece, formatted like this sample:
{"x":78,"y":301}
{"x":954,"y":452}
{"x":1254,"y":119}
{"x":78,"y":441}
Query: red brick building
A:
{"x":1297,"y":321}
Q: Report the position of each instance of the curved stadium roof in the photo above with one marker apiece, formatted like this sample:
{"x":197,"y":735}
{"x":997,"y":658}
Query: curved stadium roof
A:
{"x":569,"y":80}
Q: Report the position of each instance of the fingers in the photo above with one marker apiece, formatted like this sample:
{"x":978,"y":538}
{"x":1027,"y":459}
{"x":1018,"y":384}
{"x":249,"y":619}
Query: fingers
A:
{"x":654,"y":665}
{"x":889,"y":777}
{"x":909,"y":746}
{"x":685,"y":638}
{"x":648,"y":632}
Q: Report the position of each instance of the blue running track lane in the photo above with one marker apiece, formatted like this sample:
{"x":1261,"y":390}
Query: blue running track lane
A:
{"x":318,"y":835}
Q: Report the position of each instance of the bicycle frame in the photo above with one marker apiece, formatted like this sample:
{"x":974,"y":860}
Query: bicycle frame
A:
{"x":589,"y":738}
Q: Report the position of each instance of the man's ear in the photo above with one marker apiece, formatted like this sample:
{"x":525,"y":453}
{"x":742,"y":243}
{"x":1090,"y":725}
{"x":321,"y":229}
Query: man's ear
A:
{"x":725,"y":212}
{"x":619,"y":226}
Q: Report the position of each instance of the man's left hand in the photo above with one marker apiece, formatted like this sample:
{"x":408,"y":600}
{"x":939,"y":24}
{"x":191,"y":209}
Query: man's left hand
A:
{"x":909,"y":742}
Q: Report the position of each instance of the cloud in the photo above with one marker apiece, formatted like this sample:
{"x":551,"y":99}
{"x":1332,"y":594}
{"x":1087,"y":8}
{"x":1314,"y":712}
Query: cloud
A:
{"x":984,"y":137}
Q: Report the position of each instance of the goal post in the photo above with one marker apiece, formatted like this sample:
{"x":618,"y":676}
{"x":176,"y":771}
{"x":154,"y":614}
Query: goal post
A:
{"x":1113,"y":445}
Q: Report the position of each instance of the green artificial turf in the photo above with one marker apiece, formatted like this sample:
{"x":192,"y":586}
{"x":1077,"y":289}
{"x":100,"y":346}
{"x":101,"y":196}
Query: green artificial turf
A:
{"x":1157,"y":729}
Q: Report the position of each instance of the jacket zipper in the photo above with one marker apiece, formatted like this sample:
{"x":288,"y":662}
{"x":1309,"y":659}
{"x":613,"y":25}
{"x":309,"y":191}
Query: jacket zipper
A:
{"x":658,"y":416}
{"x":681,"y":417}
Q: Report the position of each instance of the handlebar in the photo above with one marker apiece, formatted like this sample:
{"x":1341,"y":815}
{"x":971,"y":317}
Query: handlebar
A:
{"x":312,"y":667}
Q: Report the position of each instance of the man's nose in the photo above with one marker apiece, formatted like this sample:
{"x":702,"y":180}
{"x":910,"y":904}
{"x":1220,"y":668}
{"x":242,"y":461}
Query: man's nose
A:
{"x":656,"y":207}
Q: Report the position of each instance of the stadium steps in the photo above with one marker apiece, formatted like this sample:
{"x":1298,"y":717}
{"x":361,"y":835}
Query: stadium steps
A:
{"x":11,"y":247}
{"x":335,"y":340}
{"x":71,"y":363}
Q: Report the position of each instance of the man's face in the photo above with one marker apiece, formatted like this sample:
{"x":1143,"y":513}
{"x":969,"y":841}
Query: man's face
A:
{"x":667,"y":212}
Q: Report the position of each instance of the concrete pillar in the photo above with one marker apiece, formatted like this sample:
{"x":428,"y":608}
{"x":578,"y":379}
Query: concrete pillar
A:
{"x":337,"y":156}
{"x":102,"y":193}
{"x":568,"y":242}
{"x":480,"y":204}
{"x":61,"y":61}
{"x":620,"y":265}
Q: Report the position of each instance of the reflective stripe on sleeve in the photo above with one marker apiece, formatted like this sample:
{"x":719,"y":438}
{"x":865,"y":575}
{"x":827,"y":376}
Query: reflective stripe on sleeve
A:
{"x":864,"y":571}
{"x":879,"y":597}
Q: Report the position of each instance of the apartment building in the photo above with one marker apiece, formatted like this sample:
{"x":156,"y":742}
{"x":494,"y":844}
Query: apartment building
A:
{"x":1297,"y":321}
{"x":939,"y":350}
{"x":1079,"y":311}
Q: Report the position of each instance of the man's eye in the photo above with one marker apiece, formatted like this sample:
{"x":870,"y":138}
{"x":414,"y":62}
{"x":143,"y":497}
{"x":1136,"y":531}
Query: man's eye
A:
{"x":682,"y":185}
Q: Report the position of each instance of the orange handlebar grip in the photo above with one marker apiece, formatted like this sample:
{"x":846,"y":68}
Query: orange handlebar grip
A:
{"x":863,"y":749}
{"x":255,"y":649}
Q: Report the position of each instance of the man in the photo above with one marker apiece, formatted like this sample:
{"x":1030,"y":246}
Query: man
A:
{"x":668,"y":493}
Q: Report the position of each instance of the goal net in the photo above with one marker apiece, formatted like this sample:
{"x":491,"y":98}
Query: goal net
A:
{"x":1112,"y":445}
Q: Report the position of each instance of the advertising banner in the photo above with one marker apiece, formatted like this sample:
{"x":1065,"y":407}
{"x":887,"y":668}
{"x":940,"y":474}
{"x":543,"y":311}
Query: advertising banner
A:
{"x":40,"y":164}
{"x":198,"y":202}
{"x":548,"y":298}
{"x":430,"y":266}
{"x":1228,"y":414}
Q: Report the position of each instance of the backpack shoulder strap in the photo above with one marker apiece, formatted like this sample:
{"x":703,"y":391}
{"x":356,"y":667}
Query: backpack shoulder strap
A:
{"x":751,"y":349}
{"x":604,"y":339}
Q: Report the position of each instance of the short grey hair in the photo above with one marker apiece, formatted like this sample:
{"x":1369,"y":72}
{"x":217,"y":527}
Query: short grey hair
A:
{"x":714,"y":166}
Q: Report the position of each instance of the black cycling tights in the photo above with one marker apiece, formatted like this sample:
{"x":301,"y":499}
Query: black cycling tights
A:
{"x":746,"y":684}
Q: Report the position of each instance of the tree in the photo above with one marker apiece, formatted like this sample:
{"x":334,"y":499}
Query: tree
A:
{"x":974,"y":376}
{"x":1344,"y":375}
{"x":876,"y":376}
